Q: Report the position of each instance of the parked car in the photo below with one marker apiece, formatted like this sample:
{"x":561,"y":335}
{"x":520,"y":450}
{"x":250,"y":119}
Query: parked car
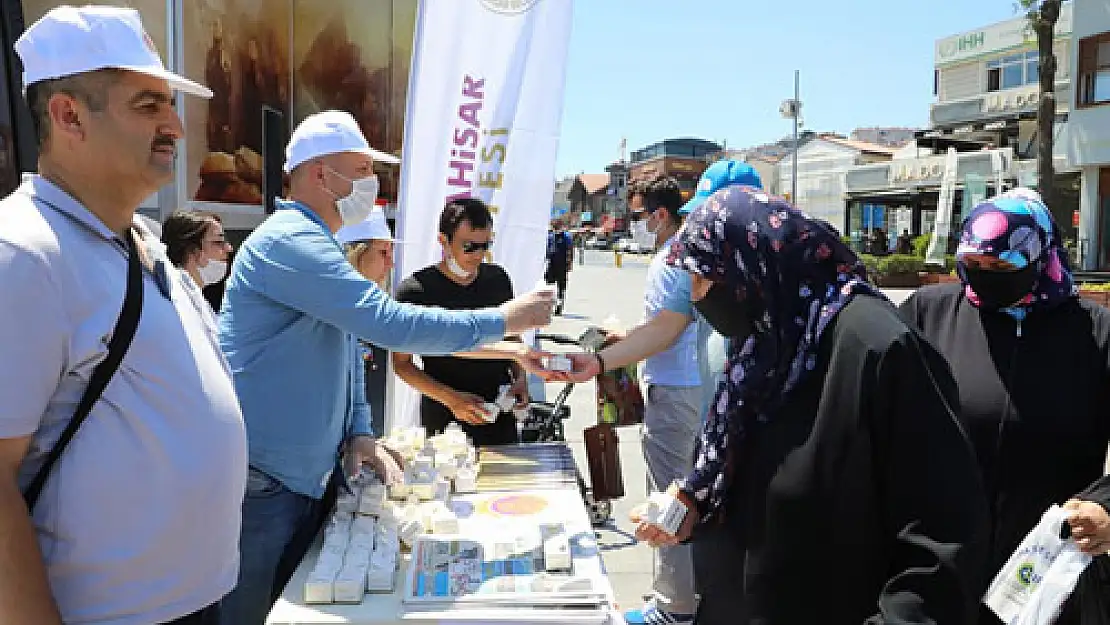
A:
{"x":629,"y":246}
{"x":598,"y":243}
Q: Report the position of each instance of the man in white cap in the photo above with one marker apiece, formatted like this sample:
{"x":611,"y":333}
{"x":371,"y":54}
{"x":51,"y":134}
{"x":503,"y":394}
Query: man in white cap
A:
{"x":136,"y":521}
{"x":291,"y":307}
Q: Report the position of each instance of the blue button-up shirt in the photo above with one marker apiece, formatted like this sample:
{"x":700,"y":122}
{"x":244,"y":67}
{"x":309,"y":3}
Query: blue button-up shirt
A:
{"x":292,"y":308}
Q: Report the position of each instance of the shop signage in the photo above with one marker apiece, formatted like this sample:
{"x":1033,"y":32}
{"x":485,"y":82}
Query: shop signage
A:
{"x":681,"y":166}
{"x":1007,"y":35}
{"x":1014,"y":100}
{"x":918,"y":170}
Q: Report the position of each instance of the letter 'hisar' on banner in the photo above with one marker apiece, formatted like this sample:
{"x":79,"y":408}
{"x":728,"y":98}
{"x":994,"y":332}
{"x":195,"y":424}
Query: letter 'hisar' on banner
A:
{"x":484,"y":107}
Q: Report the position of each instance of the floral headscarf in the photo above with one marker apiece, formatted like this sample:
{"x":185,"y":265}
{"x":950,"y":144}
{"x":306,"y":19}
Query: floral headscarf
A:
{"x":1018,"y":228}
{"x":797,"y":275}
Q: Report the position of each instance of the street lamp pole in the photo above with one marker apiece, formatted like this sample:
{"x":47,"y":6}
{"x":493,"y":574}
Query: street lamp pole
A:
{"x":797,"y":107}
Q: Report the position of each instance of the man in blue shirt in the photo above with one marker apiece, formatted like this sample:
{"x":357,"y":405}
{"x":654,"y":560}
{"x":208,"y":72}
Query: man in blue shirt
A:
{"x":672,"y":343}
{"x":292,"y":307}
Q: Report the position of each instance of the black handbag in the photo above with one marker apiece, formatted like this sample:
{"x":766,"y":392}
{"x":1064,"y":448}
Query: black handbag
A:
{"x":118,"y":345}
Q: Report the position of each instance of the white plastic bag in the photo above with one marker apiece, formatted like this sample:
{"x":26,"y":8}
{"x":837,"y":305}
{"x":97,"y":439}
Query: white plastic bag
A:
{"x":1040,"y":575}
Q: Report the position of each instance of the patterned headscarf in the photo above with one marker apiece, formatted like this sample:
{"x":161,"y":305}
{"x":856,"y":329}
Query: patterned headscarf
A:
{"x":795,"y":274}
{"x":1018,"y":228}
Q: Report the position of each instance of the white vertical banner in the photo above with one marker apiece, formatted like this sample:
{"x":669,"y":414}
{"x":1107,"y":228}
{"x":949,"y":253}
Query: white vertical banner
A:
{"x":485,"y":103}
{"x":942,"y":229}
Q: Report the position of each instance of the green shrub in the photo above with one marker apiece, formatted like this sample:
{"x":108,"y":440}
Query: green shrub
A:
{"x":921,"y":245}
{"x":895,"y":263}
{"x":871,"y":263}
{"x":900,"y":263}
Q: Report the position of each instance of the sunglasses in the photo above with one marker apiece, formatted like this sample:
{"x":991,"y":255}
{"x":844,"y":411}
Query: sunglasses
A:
{"x":476,"y":246}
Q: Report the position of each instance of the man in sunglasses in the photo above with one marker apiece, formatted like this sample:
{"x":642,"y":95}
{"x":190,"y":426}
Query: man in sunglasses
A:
{"x":454,"y":388}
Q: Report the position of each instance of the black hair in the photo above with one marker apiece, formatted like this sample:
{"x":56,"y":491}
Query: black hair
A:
{"x":663,"y":192}
{"x":88,"y":87}
{"x":183,"y":233}
{"x":468,"y":209}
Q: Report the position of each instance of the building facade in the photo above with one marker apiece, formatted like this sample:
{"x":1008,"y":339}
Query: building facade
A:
{"x":685,"y":159}
{"x":987,"y":92}
{"x":986,"y":84}
{"x":292,"y":56}
{"x":823,"y":163}
{"x":1088,"y":144}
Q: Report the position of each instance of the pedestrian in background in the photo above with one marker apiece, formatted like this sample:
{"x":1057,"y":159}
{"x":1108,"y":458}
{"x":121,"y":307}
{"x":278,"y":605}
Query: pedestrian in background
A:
{"x":560,"y":261}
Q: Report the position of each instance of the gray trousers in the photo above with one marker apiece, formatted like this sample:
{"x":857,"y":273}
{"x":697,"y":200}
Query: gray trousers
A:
{"x":672,"y":423}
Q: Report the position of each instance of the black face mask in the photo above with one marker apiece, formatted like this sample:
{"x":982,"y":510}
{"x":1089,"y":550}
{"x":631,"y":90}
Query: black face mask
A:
{"x":721,"y":311}
{"x":999,"y":289}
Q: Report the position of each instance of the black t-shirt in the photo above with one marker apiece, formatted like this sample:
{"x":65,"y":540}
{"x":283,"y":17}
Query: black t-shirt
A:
{"x":492,"y":287}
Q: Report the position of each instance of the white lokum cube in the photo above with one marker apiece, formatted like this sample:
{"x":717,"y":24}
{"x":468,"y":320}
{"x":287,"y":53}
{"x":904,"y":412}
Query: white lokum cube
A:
{"x":350,"y":584}
{"x":319,"y":587}
{"x":372,"y":499}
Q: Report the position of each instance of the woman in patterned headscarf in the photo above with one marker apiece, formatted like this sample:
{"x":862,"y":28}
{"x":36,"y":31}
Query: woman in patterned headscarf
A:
{"x":811,"y":500}
{"x":1031,"y":362}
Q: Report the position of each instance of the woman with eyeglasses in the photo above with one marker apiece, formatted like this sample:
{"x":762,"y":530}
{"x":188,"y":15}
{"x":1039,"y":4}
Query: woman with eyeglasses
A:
{"x":195,"y":243}
{"x":456,"y":388}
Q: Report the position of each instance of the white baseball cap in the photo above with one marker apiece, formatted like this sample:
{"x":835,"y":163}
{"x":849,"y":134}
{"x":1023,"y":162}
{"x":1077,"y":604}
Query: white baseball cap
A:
{"x":373,"y":228}
{"x":329,"y":132}
{"x":74,"y":40}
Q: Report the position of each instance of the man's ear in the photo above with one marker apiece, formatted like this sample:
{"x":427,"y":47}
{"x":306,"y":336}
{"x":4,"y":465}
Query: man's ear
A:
{"x":65,"y":113}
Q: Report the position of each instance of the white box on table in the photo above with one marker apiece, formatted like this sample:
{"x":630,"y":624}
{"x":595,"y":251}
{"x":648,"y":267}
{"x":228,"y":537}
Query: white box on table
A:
{"x":350,"y":585}
{"x":319,"y":587}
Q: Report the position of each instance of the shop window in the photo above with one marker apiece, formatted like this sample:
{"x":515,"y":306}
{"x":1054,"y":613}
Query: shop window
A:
{"x":1012,"y":71}
{"x":296,"y":56}
{"x":1094,"y":71}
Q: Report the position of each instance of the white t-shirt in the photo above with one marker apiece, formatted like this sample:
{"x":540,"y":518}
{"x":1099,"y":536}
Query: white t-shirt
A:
{"x":139,"y":522}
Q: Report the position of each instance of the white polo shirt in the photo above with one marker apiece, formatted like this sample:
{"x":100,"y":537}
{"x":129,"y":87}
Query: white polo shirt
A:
{"x":139,"y":522}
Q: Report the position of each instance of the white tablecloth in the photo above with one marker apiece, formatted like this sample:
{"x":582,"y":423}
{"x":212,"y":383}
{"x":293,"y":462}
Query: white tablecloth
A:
{"x":562,"y":506}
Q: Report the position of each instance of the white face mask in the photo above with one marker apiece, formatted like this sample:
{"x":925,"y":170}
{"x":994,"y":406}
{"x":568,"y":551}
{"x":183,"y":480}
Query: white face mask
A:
{"x":454,"y":267}
{"x":641,"y":233}
{"x":213,"y":272}
{"x":359,"y":203}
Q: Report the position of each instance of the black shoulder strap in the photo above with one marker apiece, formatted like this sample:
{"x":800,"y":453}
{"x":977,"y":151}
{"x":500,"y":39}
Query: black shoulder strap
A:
{"x":126,"y":326}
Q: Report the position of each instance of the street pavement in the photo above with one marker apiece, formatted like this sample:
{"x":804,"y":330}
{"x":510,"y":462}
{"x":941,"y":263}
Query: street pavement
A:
{"x":596,"y":291}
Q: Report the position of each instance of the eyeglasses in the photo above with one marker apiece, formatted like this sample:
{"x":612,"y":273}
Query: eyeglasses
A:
{"x":476,"y":246}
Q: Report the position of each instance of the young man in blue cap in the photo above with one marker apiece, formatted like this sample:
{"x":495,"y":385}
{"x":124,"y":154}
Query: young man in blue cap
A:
{"x":671,"y":342}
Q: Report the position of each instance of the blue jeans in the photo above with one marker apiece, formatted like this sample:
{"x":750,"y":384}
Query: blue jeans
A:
{"x":278,"y":527}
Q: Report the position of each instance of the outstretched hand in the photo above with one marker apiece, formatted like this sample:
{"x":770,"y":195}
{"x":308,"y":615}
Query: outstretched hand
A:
{"x":584,"y":367}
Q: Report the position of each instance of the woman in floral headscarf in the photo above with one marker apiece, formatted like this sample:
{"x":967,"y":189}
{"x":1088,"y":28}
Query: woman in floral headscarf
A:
{"x":812,"y":500}
{"x":1031,"y":362}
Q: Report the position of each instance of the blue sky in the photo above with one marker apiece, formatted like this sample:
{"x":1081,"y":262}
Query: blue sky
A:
{"x":718,"y":69}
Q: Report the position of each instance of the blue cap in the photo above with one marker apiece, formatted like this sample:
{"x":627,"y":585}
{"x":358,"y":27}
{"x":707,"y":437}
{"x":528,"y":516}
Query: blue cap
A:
{"x":718,"y":176}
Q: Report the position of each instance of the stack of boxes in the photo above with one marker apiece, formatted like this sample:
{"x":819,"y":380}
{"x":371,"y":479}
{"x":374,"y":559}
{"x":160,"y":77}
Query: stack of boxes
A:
{"x":363,"y":538}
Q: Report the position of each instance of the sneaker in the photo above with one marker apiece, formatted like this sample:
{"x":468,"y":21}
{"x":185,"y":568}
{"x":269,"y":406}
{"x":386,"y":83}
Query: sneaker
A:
{"x":652,"y":614}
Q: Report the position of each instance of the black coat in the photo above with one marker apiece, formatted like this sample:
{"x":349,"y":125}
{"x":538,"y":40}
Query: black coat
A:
{"x":860,"y":501}
{"x":1036,"y":403}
